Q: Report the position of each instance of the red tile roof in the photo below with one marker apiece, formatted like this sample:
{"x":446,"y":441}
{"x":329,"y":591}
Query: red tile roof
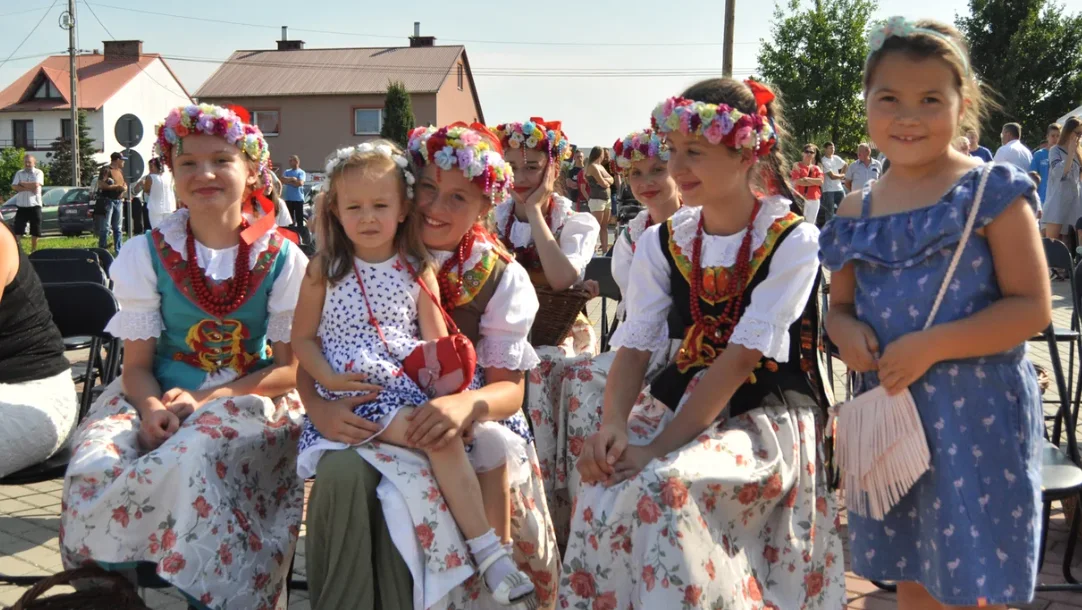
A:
{"x":99,"y":80}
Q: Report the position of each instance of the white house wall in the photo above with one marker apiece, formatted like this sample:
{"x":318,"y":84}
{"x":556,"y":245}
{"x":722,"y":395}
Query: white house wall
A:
{"x":149,"y":96}
{"x":47,"y":127}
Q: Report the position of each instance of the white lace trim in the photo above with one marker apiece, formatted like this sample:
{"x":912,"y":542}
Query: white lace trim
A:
{"x":721,"y":250}
{"x":136,"y":325}
{"x":770,"y":339}
{"x":521,"y":233}
{"x":645,"y":335}
{"x":218,"y":264}
{"x":513,"y":354}
{"x":480,"y":248}
{"x":280,"y":326}
{"x":637,"y":225}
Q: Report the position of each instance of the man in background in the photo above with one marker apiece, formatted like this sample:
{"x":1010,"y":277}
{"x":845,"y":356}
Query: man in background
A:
{"x":1040,"y":158}
{"x":113,"y":190}
{"x":975,"y":148}
{"x":1013,"y":150}
{"x":863,"y":170}
{"x":292,"y":192}
{"x":27,"y":185}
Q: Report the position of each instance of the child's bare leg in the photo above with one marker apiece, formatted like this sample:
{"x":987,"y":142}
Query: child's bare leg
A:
{"x":455,"y":476}
{"x":496,"y":495}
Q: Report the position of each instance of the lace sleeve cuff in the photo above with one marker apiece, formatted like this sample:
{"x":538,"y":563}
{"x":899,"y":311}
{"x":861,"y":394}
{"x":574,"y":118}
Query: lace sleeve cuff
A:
{"x":645,"y":335}
{"x":280,"y":326}
{"x":135,"y":325}
{"x":513,"y":355}
{"x":770,"y":339}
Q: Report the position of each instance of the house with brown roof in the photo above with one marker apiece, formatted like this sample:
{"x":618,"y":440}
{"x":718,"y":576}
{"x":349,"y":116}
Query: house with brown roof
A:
{"x":310,"y":102}
{"x":35,"y":110}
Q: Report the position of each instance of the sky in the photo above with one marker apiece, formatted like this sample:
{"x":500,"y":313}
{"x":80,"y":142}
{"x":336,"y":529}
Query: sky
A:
{"x":553,"y":60}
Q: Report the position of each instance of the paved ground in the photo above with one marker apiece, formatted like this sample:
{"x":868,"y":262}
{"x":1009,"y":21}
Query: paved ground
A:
{"x":29,"y":521}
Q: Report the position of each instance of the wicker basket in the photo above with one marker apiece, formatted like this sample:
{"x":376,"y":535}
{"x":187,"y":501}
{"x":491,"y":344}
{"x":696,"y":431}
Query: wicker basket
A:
{"x":110,"y":591}
{"x":556,"y":314}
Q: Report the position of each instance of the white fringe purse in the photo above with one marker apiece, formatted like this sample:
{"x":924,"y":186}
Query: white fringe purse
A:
{"x":880,"y":445}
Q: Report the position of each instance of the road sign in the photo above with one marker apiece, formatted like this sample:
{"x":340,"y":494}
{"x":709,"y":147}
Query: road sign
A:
{"x":133,"y":166}
{"x":129,"y":131}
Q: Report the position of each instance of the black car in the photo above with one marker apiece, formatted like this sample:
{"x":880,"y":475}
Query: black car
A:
{"x":76,"y":213}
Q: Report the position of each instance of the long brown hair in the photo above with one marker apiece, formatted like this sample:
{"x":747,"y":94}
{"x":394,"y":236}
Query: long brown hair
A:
{"x":773,"y":177}
{"x":336,"y":249}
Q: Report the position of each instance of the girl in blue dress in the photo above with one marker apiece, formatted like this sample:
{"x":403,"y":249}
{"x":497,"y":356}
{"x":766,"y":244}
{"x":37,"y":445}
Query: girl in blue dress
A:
{"x":966,"y":534}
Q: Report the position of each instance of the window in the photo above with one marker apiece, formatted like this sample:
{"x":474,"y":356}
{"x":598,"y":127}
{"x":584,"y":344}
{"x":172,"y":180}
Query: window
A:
{"x":65,"y":129}
{"x":47,"y":91}
{"x":267,"y":121}
{"x":23,"y":134}
{"x":367,"y":121}
{"x":461,"y":76}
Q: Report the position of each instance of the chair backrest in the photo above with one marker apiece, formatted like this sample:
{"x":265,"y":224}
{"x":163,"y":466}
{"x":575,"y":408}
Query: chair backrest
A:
{"x":61,"y":271}
{"x":81,"y":309}
{"x":104,"y":257}
{"x":64,"y":253}
{"x":1057,"y":254}
{"x":599,"y":269}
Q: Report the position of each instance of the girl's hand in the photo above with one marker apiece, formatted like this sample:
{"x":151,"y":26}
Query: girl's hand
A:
{"x":904,"y":362}
{"x":601,"y":453}
{"x":181,"y":403}
{"x":337,"y":422}
{"x":858,"y":346}
{"x":437,"y":422}
{"x":349,"y":382}
{"x":629,"y":465}
{"x":592,"y":287}
{"x":541,"y":194}
{"x":156,"y":427}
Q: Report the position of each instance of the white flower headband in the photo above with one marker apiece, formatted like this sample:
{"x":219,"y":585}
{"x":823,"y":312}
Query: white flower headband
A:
{"x":900,"y":27}
{"x":384,"y":150}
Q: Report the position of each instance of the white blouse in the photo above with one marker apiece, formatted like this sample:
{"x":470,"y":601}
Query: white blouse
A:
{"x":135,"y":283}
{"x":507,"y":318}
{"x":776,"y":302}
{"x":578,"y":237}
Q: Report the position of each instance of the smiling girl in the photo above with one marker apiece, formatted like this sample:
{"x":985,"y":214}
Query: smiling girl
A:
{"x":198,"y":436}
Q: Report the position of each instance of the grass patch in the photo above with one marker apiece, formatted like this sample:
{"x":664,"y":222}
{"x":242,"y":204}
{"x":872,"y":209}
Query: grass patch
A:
{"x":83,"y":241}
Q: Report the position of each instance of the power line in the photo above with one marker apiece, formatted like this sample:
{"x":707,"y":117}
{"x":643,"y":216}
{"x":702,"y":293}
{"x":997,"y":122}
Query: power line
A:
{"x":43,"y":16}
{"x":87,"y":4}
{"x":385,"y":36}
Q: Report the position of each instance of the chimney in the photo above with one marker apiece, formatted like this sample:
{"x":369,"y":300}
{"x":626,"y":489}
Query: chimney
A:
{"x":420,"y":41}
{"x":123,"y":50}
{"x":285,"y":44}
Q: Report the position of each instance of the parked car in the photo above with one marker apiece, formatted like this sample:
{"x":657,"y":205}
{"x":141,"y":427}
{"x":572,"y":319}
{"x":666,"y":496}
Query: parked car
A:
{"x":50,"y":202}
{"x":76,"y":212}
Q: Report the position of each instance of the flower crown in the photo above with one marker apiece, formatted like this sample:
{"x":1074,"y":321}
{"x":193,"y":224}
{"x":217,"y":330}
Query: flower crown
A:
{"x":233,"y":124}
{"x":383,"y":149}
{"x":638,"y":146}
{"x":900,"y":27}
{"x":547,"y":136}
{"x":472,"y":148}
{"x":719,"y":124}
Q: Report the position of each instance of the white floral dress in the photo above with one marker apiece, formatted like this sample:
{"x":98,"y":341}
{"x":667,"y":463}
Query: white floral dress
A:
{"x":577,"y":234}
{"x":741,"y":517}
{"x":429,"y":540}
{"x":218,"y":506}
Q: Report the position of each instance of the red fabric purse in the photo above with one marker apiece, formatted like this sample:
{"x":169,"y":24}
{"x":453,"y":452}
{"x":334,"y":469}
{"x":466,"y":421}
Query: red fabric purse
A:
{"x":441,"y":367}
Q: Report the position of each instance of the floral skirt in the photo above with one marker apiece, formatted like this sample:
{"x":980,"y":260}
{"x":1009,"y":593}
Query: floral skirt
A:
{"x":431,"y":544}
{"x":217,"y":507}
{"x":739,"y":518}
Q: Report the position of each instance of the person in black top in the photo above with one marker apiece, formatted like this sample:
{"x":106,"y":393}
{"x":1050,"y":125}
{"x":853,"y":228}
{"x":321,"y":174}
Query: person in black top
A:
{"x":38,"y":407}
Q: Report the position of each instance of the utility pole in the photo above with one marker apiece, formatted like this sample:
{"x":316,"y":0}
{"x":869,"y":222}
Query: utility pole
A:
{"x":727,"y":53}
{"x":73,"y":68}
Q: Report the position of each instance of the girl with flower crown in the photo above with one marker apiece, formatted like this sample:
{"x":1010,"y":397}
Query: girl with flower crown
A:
{"x":710,"y":490}
{"x":416,"y":555}
{"x":641,"y":158}
{"x":187,"y":461}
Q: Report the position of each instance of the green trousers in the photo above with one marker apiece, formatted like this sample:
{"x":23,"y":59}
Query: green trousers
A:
{"x":352,"y":562}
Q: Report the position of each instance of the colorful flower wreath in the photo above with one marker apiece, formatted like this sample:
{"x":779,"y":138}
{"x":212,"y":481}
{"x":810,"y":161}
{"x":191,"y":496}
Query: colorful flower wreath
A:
{"x":472,"y":148}
{"x":638,"y":146}
{"x":537,"y":133}
{"x":383,"y":149}
{"x":233,"y":124}
{"x":719,"y":124}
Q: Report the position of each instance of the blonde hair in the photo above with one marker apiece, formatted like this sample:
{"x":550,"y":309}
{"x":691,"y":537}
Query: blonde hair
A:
{"x":951,"y":48}
{"x":336,"y":249}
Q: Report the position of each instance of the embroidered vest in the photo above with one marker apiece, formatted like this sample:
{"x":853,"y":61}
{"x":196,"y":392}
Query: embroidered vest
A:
{"x":195,"y":344}
{"x":772,"y":383}
{"x":478,"y":287}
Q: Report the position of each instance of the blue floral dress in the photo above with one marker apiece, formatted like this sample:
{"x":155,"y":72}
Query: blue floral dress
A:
{"x":968,"y":531}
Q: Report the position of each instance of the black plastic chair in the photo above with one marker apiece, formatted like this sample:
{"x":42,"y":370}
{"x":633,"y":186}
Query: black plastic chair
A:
{"x":1058,"y":256}
{"x":67,"y":270}
{"x":78,"y":309}
{"x":599,"y":269}
{"x":105,"y":257}
{"x":64,"y":253}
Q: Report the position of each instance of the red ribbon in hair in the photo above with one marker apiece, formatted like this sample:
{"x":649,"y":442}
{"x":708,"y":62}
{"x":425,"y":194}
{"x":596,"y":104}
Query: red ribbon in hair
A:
{"x":763,"y":95}
{"x":241,"y":112}
{"x":482,"y":131}
{"x":547,"y":125}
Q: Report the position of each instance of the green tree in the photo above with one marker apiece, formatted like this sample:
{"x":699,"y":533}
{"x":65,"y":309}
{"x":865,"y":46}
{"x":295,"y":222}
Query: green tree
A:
{"x":816,"y":61}
{"x":397,"y":114}
{"x":60,"y":165}
{"x":1029,"y":53}
{"x":11,"y":161}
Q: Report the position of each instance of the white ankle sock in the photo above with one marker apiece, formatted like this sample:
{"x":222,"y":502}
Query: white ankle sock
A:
{"x":485,"y":545}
